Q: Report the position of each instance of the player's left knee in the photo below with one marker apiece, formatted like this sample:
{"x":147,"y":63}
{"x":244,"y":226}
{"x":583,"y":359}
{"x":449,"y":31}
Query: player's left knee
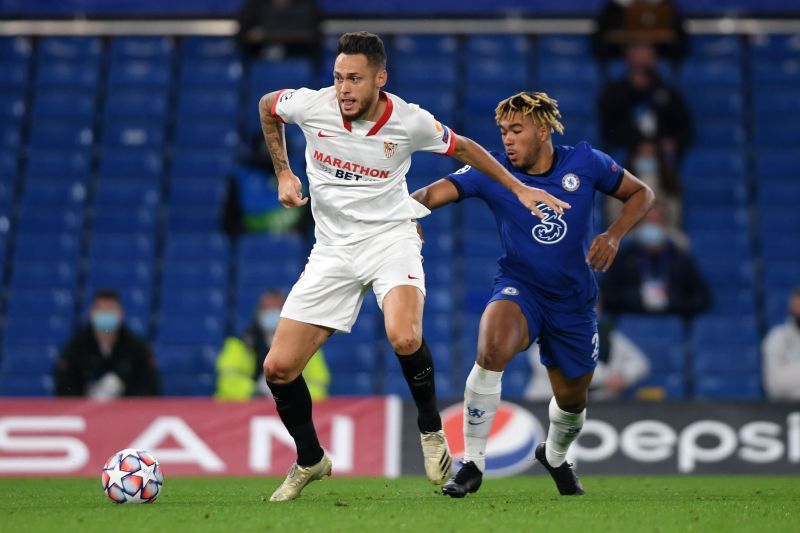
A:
{"x":405,"y":343}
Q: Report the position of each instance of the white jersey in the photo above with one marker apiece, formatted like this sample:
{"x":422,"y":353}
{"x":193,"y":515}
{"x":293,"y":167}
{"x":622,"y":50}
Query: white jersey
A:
{"x":356,"y":170}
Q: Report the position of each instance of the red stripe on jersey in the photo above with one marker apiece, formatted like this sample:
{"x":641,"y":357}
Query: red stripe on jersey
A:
{"x":273,"y":110}
{"x":452,"y":148}
{"x":385,"y":117}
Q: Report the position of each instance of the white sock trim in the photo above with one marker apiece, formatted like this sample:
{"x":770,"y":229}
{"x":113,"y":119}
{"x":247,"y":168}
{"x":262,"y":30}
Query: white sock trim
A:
{"x":484,"y":381}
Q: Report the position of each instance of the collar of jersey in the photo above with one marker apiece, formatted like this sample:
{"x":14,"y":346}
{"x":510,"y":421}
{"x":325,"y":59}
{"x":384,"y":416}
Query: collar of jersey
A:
{"x":546,"y":173}
{"x":381,"y":121}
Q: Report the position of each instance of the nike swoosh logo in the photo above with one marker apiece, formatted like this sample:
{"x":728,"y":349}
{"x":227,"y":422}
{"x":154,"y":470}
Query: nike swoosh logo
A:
{"x":422,"y":375}
{"x":412,"y":277}
{"x":471,"y":423}
{"x":320,"y":134}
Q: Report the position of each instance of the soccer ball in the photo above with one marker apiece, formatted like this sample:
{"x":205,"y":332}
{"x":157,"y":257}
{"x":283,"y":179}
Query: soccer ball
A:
{"x":132,"y":476}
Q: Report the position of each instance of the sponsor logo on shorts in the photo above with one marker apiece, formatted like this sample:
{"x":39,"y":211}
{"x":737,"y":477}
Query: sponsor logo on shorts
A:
{"x":510,"y":291}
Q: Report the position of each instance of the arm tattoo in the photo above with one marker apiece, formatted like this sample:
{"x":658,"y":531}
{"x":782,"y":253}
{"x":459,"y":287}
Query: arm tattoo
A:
{"x":273,"y":135}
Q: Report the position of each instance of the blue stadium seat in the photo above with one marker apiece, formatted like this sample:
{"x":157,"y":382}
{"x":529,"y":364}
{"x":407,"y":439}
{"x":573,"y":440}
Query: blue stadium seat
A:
{"x":58,"y":193}
{"x":776,"y":301}
{"x":514,"y":48}
{"x":348,"y":383}
{"x":733,"y":302}
{"x":154,"y":75}
{"x":777,"y":164}
{"x":206,"y":133}
{"x":191,"y":274}
{"x":47,"y":247}
{"x":183,"y":384}
{"x":716,"y":219}
{"x":776,"y":134}
{"x":725,"y":273}
{"x":342,"y":354}
{"x":43,"y":275}
{"x":438,"y":246}
{"x":10,"y":133}
{"x":651,"y":328}
{"x":50,"y":221}
{"x":259,"y":247}
{"x":120,"y":275}
{"x":28,"y":359}
{"x":202,"y":164}
{"x":713,"y":164}
{"x":713,"y":191}
{"x":777,"y":73}
{"x":564,"y":46}
{"x":126,"y":163}
{"x":439,"y":74}
{"x":201,"y":246}
{"x":73,"y":105}
{"x":132,"y":132}
{"x":780,"y":220}
{"x":130,"y":220}
{"x":69,"y":48}
{"x":255,"y":276}
{"x":126,"y":192}
{"x":207,"y":74}
{"x":713,"y":331}
{"x":777,"y":246}
{"x":190,"y":330}
{"x":145,"y":48}
{"x":33,"y":330}
{"x":194,"y":193}
{"x":61,"y":164}
{"x":481,"y":245}
{"x":220,"y":102}
{"x":775,"y":101}
{"x":769,"y":47}
{"x":193,"y":302}
{"x":136,"y":102}
{"x":712,"y":104}
{"x":778,"y":194}
{"x":16,"y":385}
{"x":136,"y":301}
{"x":704,"y":73}
{"x":781,"y":275}
{"x":12,"y":105}
{"x":51,"y":134}
{"x":416,"y":45}
{"x":41,"y":303}
{"x":289,"y":73}
{"x":486,"y":72}
{"x":713,"y":47}
{"x":727,"y":244}
{"x":209,"y":48}
{"x":673,"y":384}
{"x":121,"y":246}
{"x":16,"y":49}
{"x":554,"y":73}
{"x":515,"y":382}
{"x":68,"y":74}
{"x":720,"y":133}
{"x":15,"y":75}
{"x":191,"y":219}
{"x":728,"y":386}
{"x":185,"y":358}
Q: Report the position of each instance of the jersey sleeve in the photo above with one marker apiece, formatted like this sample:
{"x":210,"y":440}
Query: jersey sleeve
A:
{"x":428,"y":134}
{"x":468,"y":181}
{"x":291,"y":105}
{"x":607,"y":173}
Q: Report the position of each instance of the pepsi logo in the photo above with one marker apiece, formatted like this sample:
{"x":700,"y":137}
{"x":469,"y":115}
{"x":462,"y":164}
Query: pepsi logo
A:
{"x":512,"y":439}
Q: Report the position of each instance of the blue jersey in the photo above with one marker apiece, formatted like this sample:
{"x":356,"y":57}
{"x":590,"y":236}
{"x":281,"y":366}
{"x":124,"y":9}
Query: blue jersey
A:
{"x":548,"y":254}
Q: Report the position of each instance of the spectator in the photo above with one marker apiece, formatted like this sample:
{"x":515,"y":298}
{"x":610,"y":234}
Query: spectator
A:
{"x":240,"y":373}
{"x":277,"y":28}
{"x":642,"y":107}
{"x":654,"y":273}
{"x":105,"y":359}
{"x":251,"y":202}
{"x":657,"y":23}
{"x":781,"y":352}
{"x":620,"y":366}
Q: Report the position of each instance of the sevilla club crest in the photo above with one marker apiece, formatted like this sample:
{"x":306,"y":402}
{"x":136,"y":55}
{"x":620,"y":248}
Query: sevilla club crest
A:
{"x":388,"y":148}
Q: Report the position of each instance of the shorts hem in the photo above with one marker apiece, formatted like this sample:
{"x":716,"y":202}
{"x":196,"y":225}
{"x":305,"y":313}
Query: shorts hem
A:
{"x":323,"y":323}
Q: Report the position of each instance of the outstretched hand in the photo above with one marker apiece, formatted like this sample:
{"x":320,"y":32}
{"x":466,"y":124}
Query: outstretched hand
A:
{"x":290,"y":191}
{"x":531,"y":197}
{"x":602,"y":252}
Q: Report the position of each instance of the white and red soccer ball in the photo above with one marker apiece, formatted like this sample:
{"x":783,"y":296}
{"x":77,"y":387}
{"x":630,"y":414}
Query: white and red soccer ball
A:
{"x":132,"y":476}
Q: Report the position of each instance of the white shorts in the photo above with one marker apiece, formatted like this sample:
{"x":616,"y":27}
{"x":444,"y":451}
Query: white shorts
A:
{"x":331,"y":289}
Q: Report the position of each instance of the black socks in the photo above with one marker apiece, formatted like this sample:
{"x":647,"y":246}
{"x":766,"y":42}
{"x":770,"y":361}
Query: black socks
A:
{"x":294,"y":407}
{"x":418,"y":371}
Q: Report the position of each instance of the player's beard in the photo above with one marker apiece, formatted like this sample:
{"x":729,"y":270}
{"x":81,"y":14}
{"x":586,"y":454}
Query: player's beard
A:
{"x":360,"y":108}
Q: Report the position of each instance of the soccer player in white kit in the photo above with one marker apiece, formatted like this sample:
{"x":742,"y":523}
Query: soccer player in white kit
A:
{"x":359,"y":142}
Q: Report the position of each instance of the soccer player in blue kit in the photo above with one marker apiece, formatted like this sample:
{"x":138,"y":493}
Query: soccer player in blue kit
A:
{"x":545,"y":290}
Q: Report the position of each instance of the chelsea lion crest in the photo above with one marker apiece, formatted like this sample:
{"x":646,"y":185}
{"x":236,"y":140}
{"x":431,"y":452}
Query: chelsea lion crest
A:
{"x":570,"y":182}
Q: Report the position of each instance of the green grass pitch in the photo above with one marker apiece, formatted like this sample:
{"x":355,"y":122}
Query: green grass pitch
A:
{"x":735,"y":503}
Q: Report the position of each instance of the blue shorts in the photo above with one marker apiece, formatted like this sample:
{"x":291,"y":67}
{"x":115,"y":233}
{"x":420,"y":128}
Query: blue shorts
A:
{"x":568,"y":340}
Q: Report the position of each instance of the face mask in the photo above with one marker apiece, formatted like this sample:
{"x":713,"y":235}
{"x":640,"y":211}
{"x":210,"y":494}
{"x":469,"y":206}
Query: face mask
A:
{"x":651,"y":235}
{"x":268,"y":319}
{"x":646,"y":166}
{"x":105,"y":321}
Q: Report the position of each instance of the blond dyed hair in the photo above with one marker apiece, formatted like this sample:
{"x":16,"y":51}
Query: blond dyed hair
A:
{"x":540,"y":107}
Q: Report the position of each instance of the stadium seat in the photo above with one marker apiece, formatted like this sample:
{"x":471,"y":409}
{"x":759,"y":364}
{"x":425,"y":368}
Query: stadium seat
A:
{"x":120,"y":275}
{"x":776,"y":134}
{"x":200,"y":246}
{"x":202,"y":48}
{"x":72,"y":105}
{"x":191,"y":219}
{"x":131,"y":220}
{"x":347,"y":383}
{"x":15,"y":75}
{"x":206,"y":133}
{"x":777,"y":164}
{"x":440,"y":74}
{"x":258,"y":247}
{"x":57,"y":193}
{"x":184,"y":384}
{"x":185,"y":358}
{"x":16,"y":49}
{"x":16,"y":385}
{"x":777,"y":73}
{"x":126,"y":73}
{"x":770,"y":47}
{"x":564,"y":46}
{"x":126,"y":192}
{"x":48,"y":163}
{"x":121,"y":246}
{"x":28,"y":359}
{"x":696,"y":73}
{"x":433,"y":46}
{"x":288,"y":73}
{"x":137,"y":102}
{"x":69,"y":74}
{"x":69,"y":48}
{"x":344,"y":355}
{"x":55,"y":329}
{"x":672,"y":384}
{"x":491,"y":71}
{"x":47,"y":247}
{"x":733,"y":301}
{"x":202,"y":164}
{"x":719,"y":133}
{"x":711,"y":48}
{"x":41,"y":303}
{"x":710,"y":331}
{"x":728,"y":386}
{"x":226,"y":73}
{"x":514,"y":48}
{"x":222,"y":103}
{"x":53,"y":220}
{"x":554,"y":73}
{"x":129,"y":163}
{"x":193,"y":302}
{"x":59,"y":134}
{"x":144,"y":48}
{"x":191,"y":274}
{"x":724,"y":356}
{"x":191,"y":332}
{"x":129,"y":132}
{"x":769,"y":102}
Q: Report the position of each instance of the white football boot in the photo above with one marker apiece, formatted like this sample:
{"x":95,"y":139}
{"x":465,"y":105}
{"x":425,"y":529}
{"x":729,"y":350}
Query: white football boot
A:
{"x":299,"y":477}
{"x":437,"y":456}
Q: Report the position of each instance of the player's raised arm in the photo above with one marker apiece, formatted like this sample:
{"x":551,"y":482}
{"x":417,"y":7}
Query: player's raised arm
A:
{"x":290,"y":190}
{"x":637,"y":199}
{"x":471,"y":153}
